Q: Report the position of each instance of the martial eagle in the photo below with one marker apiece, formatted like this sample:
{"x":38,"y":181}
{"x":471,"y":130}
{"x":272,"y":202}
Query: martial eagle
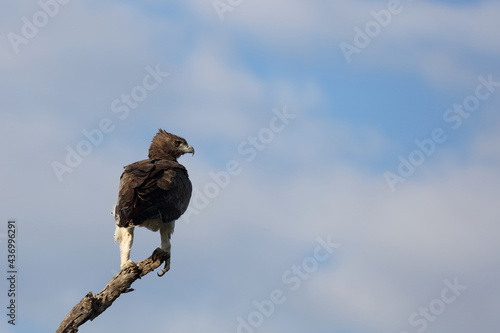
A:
{"x":153,"y":193}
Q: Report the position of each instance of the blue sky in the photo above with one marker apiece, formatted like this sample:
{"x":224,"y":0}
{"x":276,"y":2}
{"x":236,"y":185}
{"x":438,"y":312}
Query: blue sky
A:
{"x":324,"y":148}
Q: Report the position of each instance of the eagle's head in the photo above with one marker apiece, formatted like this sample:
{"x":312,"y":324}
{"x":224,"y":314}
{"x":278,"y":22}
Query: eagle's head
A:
{"x":168,"y":146}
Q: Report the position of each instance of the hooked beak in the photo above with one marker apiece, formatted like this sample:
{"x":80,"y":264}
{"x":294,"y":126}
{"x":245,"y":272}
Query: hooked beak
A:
{"x":188,"y":149}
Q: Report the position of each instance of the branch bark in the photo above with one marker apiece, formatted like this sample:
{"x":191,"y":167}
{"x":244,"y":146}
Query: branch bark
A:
{"x":92,"y":306}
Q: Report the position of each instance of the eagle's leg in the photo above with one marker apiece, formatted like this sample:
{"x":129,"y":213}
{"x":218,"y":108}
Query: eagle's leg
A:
{"x":166,"y":231}
{"x":126,"y":237}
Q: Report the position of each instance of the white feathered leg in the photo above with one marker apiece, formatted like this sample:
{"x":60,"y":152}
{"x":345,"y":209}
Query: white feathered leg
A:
{"x":126,"y":237}
{"x":166,"y":231}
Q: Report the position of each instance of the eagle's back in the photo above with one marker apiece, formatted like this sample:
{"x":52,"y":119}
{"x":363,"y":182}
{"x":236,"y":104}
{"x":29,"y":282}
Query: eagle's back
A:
{"x":152,"y":190}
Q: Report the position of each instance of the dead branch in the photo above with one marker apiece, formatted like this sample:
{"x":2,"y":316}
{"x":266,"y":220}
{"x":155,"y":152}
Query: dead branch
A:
{"x":92,"y":306}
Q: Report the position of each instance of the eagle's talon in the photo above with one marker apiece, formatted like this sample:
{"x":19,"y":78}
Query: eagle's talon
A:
{"x":162,"y":255}
{"x":126,"y":264}
{"x":159,"y":254}
{"x":163,"y":271}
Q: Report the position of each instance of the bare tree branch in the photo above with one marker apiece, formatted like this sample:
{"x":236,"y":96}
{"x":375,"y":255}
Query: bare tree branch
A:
{"x":92,"y":306}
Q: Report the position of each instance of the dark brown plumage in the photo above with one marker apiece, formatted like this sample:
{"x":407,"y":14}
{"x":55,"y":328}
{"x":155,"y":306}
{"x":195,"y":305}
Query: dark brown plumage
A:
{"x":153,"y":193}
{"x":156,"y":188}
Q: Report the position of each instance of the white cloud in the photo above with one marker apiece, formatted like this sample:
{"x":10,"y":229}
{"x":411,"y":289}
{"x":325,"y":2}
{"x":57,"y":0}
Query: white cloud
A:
{"x":396,"y":248}
{"x":422,"y":38}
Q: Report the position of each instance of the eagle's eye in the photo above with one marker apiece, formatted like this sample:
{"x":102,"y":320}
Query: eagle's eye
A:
{"x":177,"y":143}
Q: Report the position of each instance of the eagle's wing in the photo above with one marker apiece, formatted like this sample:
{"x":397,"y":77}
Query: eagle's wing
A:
{"x":152,"y":189}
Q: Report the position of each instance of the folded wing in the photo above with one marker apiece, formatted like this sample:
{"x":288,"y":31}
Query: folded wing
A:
{"x":150,"y":190}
